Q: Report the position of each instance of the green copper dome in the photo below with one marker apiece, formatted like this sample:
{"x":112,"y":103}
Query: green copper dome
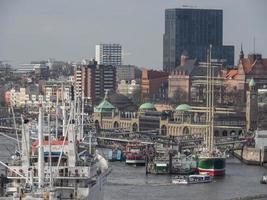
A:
{"x":105,"y":106}
{"x":147,"y":106}
{"x":183,"y":107}
{"x":252,"y":83}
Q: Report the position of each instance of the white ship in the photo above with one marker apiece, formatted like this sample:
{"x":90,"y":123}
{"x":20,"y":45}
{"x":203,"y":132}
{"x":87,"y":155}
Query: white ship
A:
{"x":56,"y":168}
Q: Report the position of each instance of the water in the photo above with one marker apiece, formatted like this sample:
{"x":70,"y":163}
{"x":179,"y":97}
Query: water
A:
{"x":131,"y":183}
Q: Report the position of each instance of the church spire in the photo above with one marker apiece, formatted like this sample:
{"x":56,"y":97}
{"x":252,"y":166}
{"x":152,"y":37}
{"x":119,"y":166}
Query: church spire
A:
{"x":241,"y":55}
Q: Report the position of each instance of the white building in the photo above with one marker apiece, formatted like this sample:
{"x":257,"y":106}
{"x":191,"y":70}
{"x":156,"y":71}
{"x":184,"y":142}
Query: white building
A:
{"x":127,"y":88}
{"x":108,"y":54}
{"x":261,"y":139}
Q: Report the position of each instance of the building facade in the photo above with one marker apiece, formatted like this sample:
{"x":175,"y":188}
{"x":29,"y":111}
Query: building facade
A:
{"x":128,"y":73}
{"x":237,"y":79}
{"x":94,"y":80}
{"x":182,"y":120}
{"x":128,"y":88}
{"x":154,"y":85}
{"x":192,"y":31}
{"x":108,"y":54}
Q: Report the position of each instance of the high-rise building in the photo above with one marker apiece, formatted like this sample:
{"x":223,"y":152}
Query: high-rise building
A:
{"x":108,"y":54}
{"x":94,"y":80}
{"x":191,"y":31}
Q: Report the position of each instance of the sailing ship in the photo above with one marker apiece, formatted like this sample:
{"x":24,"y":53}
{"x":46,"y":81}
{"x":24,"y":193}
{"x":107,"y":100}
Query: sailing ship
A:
{"x":56,"y":168}
{"x":211,"y":160}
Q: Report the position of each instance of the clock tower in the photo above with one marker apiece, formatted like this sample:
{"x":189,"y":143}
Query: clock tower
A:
{"x":252,"y":106}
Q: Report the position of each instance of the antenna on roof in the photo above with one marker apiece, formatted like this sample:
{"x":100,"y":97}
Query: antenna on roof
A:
{"x":189,"y":6}
{"x":254,"y":43}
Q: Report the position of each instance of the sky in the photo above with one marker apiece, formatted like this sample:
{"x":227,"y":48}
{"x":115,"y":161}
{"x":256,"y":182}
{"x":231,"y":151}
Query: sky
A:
{"x":68,"y":30}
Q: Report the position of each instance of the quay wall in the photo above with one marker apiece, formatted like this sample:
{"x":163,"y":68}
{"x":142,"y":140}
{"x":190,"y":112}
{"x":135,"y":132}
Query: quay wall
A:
{"x":252,"y":156}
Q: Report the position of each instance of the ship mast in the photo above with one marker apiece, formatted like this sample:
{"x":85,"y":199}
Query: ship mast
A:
{"x":64,"y":118}
{"x":209,"y":139}
{"x":57,"y":115}
{"x":50,"y":150}
{"x":41,"y":148}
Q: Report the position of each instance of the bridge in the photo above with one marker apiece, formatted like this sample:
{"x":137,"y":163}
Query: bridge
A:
{"x":184,"y":141}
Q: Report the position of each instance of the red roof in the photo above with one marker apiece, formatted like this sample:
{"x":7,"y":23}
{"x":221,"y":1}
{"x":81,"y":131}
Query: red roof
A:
{"x":53,"y":142}
{"x":232,"y":73}
{"x":247,"y":64}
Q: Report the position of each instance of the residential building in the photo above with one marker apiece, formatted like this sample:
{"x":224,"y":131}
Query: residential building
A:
{"x":191,"y":31}
{"x":128,"y":73}
{"x":39,"y":71}
{"x":94,"y":80}
{"x":108,"y":54}
{"x":54,"y":89}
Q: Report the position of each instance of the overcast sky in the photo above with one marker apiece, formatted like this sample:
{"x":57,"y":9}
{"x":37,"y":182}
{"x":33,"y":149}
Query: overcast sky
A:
{"x":69,"y":29}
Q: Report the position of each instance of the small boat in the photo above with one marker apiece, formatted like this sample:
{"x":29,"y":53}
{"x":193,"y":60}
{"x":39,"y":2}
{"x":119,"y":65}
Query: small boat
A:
{"x":182,"y":180}
{"x":192,"y":179}
{"x":264,"y":179}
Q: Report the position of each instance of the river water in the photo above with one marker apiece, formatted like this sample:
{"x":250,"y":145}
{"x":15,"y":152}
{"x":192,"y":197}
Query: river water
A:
{"x":131,"y":183}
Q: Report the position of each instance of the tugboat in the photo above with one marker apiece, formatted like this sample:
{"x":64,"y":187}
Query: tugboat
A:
{"x":135,"y":153}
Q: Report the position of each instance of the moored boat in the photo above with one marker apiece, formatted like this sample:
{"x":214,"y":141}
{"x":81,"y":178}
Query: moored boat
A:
{"x":214,"y":166}
{"x":134,"y":153}
{"x":192,"y":179}
{"x":56,"y":168}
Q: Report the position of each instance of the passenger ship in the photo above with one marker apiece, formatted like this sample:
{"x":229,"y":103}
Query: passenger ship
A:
{"x":59,"y":168}
{"x":135,"y":153}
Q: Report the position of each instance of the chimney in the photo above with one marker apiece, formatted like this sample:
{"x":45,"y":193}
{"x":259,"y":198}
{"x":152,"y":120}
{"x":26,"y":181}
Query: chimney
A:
{"x":184,"y":58}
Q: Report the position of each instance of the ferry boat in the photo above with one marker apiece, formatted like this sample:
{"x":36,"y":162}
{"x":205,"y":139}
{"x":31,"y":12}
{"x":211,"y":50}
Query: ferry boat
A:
{"x":192,"y":179}
{"x":135,"y":153}
{"x":56,"y":168}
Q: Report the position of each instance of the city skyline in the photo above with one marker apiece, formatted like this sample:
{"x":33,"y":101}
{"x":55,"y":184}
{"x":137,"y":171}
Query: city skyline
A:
{"x":36,"y":30}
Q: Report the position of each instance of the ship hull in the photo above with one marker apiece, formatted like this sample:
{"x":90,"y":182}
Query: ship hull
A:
{"x":97,"y":191}
{"x":135,"y":162}
{"x":213,"y":166}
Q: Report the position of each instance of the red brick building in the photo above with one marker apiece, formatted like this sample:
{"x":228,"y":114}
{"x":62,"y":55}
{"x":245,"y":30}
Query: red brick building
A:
{"x":187,"y":81}
{"x":153,"y":85}
{"x":94,"y":80}
{"x":252,"y":67}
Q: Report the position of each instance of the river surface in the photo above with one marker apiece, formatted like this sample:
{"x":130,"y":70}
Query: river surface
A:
{"x":131,"y":183}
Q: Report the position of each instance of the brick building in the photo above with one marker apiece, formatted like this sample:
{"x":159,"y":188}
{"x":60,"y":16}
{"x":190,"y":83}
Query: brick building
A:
{"x":153,"y":85}
{"x":252,"y":67}
{"x":187,"y":82}
{"x":94,"y":80}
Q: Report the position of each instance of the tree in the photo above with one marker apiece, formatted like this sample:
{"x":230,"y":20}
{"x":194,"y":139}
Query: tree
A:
{"x":136,"y":97}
